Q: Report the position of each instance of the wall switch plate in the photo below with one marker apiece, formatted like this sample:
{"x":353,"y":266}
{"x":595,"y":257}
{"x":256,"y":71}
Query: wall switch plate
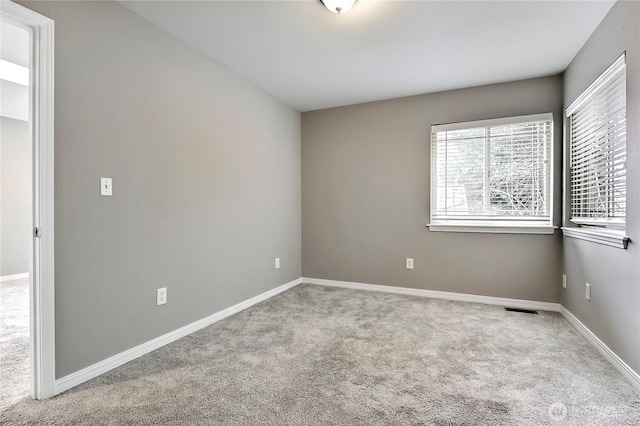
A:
{"x":277,"y":263}
{"x":587,"y":291}
{"x":161,"y":296}
{"x":106,"y":187}
{"x":409,"y":264}
{"x":564,"y":280}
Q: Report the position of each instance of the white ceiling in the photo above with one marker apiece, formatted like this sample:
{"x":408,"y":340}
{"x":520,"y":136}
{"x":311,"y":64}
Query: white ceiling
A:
{"x":312,"y":59}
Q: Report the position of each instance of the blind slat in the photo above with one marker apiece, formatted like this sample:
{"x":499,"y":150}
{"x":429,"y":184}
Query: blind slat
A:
{"x":597,"y":136}
{"x":493,"y":172}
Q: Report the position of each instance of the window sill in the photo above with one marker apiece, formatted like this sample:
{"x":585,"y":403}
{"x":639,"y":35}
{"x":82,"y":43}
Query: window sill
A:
{"x":609,"y":237}
{"x":492,"y":228}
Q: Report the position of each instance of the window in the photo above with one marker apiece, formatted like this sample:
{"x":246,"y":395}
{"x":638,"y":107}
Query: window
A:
{"x":492,"y":175}
{"x":597,"y":138}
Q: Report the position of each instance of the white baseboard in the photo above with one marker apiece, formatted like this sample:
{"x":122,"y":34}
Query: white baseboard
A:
{"x":101,"y":367}
{"x":459,"y":297}
{"x":14,"y":277}
{"x":74,"y":379}
{"x":614,"y":359}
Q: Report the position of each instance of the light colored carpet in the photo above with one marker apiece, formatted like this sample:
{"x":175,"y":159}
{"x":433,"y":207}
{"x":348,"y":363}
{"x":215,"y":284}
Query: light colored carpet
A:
{"x":316,"y":355}
{"x":14,"y":341}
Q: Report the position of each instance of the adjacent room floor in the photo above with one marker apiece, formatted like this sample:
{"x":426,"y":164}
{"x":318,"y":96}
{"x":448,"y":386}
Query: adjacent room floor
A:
{"x":14,"y":341}
{"x":318,"y":355}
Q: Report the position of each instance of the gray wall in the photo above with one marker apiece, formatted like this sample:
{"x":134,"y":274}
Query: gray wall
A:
{"x":613,"y":313}
{"x":365,"y":197}
{"x":207,"y":190}
{"x":206,"y":183}
{"x":15,"y":196}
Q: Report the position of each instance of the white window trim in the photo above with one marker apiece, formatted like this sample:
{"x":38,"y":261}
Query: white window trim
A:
{"x":613,"y":235}
{"x":610,"y":237}
{"x":492,"y":228}
{"x":491,"y":122}
{"x":527,"y":226}
{"x":596,"y":85}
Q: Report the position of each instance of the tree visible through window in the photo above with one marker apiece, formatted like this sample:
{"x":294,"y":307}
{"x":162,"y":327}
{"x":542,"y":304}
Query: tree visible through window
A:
{"x":492,"y":170}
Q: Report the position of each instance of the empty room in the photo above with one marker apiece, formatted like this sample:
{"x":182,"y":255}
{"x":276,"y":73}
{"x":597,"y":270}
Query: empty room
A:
{"x":322,"y":212}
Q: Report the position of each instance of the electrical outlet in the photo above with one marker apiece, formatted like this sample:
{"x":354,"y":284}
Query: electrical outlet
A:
{"x":277,"y":263}
{"x":409,"y":264}
{"x":564,"y":281}
{"x":587,"y":291}
{"x":161,"y":296}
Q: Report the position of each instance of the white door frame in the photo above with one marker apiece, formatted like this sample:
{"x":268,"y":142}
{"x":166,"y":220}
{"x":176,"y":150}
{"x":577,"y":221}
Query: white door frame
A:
{"x":41,"y":90}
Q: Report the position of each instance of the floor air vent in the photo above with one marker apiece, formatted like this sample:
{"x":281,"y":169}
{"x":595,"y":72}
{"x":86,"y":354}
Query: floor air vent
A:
{"x":524,"y":311}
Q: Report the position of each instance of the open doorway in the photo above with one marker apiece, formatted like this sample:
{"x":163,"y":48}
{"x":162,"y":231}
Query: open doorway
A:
{"x":16,"y":206}
{"x":27,"y":327}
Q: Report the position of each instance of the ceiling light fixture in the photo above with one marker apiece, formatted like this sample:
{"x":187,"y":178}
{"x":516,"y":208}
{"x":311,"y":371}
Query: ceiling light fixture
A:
{"x":338,"y":6}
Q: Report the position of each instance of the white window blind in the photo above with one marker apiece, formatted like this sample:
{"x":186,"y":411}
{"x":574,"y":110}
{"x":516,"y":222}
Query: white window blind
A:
{"x":597,"y":137}
{"x":496,"y":171}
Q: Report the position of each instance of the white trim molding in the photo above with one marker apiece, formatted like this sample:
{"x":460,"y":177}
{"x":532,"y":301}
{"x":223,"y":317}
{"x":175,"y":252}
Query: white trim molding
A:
{"x":14,"y":277}
{"x":617,"y":66}
{"x":102,"y":367}
{"x":74,"y":379}
{"x":41,"y":115}
{"x":458,"y":297}
{"x":608,"y":237}
{"x":492,"y":228}
{"x":611,"y":356}
{"x":502,"y":121}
